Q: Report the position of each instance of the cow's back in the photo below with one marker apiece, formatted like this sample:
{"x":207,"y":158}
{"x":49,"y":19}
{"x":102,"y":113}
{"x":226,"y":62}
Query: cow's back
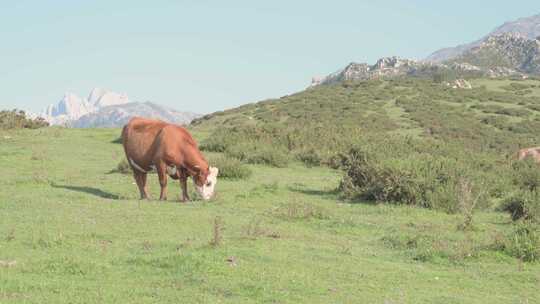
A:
{"x":138,"y":137}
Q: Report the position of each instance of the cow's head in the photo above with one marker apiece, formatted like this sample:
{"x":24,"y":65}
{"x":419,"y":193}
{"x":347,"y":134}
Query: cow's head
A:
{"x":205,"y":181}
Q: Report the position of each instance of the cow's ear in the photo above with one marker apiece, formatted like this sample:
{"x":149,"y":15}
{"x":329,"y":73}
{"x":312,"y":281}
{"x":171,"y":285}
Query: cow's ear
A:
{"x":197,"y":170}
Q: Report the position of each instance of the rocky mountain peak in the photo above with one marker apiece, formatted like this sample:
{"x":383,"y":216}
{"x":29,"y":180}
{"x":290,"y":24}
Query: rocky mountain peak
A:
{"x":383,"y":68}
{"x":513,"y":51}
{"x":72,"y":107}
{"x":393,"y":62}
{"x":527,"y":28}
{"x":102,"y":98}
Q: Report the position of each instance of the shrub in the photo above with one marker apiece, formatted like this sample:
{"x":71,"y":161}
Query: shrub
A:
{"x":296,"y":210}
{"x":217,"y":232}
{"x":122,"y":167}
{"x":526,"y":174}
{"x":421,"y":180}
{"x":220,"y":141}
{"x":117,"y":140}
{"x":467,"y":203}
{"x":259,"y":154}
{"x":230,"y":167}
{"x":524,"y":242}
{"x":17,"y":119}
{"x":310,"y":158}
{"x":522,"y":204}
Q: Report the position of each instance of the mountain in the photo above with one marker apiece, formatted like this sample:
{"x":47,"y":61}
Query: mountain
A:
{"x":69,"y":108}
{"x":104,"y":108}
{"x":119,"y":115}
{"x":72,"y":107}
{"x":528,"y":27}
{"x":499,"y":55}
{"x":102,"y":98}
{"x":508,"y":50}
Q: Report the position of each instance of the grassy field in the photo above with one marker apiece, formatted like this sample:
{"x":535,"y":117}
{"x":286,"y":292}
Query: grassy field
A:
{"x":72,"y":232}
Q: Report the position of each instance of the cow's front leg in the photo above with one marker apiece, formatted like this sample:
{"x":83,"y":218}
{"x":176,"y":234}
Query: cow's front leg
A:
{"x":162,"y":175}
{"x":183,"y":177}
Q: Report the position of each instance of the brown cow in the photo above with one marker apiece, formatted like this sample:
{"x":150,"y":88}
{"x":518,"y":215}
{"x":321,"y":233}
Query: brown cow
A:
{"x":172,"y":151}
{"x":532,"y":152}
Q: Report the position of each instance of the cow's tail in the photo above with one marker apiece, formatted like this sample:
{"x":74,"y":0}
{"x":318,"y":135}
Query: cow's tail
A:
{"x":137,"y":167}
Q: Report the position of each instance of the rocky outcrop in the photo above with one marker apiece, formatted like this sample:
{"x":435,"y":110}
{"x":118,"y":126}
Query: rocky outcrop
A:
{"x":390,"y":67}
{"x":460,"y":84}
{"x":384,"y":68}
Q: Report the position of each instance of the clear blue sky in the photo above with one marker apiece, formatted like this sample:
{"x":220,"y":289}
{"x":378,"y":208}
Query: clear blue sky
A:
{"x":205,"y":56}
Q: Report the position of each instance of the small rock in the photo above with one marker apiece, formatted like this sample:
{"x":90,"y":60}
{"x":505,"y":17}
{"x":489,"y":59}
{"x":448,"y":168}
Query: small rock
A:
{"x":7,"y":264}
{"x":232,"y":261}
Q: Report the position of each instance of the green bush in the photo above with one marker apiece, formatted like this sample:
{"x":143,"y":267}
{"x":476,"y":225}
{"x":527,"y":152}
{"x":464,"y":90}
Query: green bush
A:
{"x":522,"y":204}
{"x":230,"y":168}
{"x":258,"y":154}
{"x":526,"y":174}
{"x":310,"y":158}
{"x":16,"y":119}
{"x":221,"y":140}
{"x":123,"y":167}
{"x":524,"y":242}
{"x":421,"y":180}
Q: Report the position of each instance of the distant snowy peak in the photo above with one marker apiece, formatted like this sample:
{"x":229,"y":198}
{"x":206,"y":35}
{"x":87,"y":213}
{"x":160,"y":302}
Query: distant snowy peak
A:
{"x":104,"y":108}
{"x":72,"y":107}
{"x":119,"y":115}
{"x":95,"y":95}
{"x":102,"y":98}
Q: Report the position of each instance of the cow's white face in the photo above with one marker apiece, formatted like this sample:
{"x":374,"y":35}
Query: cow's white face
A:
{"x":207,"y":190}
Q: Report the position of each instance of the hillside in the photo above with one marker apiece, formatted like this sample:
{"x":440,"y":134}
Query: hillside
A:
{"x":496,"y":115}
{"x":71,"y":231}
{"x":401,"y":141}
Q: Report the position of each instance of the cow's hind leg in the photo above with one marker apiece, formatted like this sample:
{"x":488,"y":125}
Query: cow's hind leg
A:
{"x":144,"y":185}
{"x":162,"y":175}
{"x":140,"y":179}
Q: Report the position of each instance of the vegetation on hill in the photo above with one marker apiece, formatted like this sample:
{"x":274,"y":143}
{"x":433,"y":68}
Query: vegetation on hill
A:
{"x":17,"y":119}
{"x":420,"y":138}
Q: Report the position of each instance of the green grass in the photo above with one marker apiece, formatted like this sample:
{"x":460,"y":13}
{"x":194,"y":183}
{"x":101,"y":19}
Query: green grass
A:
{"x":78,"y":234}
